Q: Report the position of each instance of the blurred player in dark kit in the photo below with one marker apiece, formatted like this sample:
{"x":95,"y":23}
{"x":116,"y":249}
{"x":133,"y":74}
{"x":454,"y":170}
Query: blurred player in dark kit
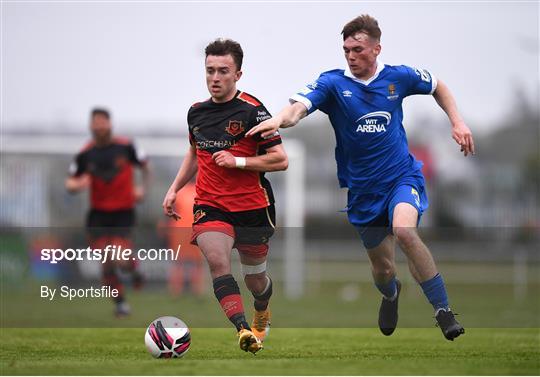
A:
{"x":105,"y":166}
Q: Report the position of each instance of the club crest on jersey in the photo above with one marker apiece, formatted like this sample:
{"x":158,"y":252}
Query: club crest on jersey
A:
{"x":392,"y":95}
{"x":235,"y":127}
{"x":374,"y":122}
{"x":199,"y":214}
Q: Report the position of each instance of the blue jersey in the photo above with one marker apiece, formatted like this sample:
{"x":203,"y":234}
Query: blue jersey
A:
{"x":371,"y":145}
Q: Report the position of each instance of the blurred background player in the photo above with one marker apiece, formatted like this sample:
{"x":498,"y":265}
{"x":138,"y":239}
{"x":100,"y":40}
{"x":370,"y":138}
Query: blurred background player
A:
{"x":105,"y":166}
{"x":187,"y":273}
{"x":387,"y":193}
{"x":234,"y":204}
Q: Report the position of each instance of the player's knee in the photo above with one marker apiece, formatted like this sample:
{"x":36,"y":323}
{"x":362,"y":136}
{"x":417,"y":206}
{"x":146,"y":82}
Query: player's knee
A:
{"x":255,"y":276}
{"x":219,"y":267}
{"x":407,"y":237}
{"x":384,"y":270}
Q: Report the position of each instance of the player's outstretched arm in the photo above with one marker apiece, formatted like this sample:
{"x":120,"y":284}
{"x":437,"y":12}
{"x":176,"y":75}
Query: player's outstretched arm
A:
{"x":275,"y":159}
{"x":185,"y":174}
{"x":76,"y":184}
{"x":460,"y":132}
{"x":288,"y":117}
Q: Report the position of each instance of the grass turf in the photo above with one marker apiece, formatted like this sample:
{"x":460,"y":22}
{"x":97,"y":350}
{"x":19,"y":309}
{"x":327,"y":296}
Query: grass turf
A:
{"x":23,"y":308}
{"x":315,"y":351}
{"x":40,"y":337}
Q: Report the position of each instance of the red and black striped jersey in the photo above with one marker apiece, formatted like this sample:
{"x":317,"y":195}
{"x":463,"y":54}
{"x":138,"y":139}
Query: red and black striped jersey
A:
{"x":111,"y":171}
{"x":222,"y":126}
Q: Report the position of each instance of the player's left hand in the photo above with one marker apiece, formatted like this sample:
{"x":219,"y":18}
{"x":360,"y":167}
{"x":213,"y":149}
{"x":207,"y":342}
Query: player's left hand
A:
{"x":224,"y":159}
{"x":463,"y":136}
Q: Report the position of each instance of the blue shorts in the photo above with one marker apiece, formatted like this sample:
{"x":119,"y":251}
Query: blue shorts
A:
{"x":372,"y":214}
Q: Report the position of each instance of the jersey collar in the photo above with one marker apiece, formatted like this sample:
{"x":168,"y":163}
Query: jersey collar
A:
{"x":380,"y":67}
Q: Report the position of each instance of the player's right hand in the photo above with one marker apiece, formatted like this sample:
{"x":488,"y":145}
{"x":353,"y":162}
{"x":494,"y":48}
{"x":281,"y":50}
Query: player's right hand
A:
{"x":168,"y":205}
{"x":76,"y":184}
{"x":266,"y":128}
{"x":463,"y":136}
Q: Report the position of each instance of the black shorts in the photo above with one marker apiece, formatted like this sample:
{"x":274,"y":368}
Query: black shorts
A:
{"x":110,"y":223}
{"x":252,"y":227}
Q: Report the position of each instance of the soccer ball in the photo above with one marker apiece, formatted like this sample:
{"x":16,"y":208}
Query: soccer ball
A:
{"x":167,"y":337}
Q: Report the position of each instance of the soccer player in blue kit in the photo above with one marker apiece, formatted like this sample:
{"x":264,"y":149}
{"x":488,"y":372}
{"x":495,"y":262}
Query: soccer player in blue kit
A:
{"x":386,"y":193}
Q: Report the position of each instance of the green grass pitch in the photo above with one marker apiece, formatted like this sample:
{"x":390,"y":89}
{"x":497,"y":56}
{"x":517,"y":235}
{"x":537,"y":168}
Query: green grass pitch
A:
{"x":319,"y":334}
{"x":409,"y":351}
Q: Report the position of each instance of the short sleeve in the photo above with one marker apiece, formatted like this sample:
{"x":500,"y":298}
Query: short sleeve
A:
{"x":260,"y":114}
{"x":190,"y":131}
{"x":137,"y":155}
{"x":78,"y":165}
{"x":421,"y":81}
{"x":315,"y":95}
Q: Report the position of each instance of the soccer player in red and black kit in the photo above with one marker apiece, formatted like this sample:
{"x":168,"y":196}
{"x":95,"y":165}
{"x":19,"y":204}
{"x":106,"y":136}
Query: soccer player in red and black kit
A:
{"x":234,"y":202}
{"x":105,"y":164}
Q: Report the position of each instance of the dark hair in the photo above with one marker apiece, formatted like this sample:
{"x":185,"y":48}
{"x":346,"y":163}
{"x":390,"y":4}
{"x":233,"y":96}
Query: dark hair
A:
{"x":100,"y":111}
{"x":362,"y":24}
{"x":221,"y":47}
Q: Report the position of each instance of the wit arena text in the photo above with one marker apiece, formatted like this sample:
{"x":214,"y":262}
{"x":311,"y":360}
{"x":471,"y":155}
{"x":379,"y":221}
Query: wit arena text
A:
{"x":109,"y":253}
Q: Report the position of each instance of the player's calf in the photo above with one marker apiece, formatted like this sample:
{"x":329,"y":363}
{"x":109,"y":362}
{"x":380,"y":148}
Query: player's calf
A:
{"x":262,"y":315}
{"x":111,"y":278}
{"x":260,"y":286}
{"x":228,"y":294}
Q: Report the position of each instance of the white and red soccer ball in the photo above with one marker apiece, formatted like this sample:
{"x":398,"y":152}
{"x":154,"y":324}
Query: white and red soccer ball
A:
{"x":167,"y":337}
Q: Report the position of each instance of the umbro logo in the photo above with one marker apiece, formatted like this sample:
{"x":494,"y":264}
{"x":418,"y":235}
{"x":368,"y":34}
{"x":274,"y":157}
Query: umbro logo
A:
{"x":347,"y":93}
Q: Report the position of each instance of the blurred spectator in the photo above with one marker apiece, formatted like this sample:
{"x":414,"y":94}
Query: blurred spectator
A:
{"x":187,"y":273}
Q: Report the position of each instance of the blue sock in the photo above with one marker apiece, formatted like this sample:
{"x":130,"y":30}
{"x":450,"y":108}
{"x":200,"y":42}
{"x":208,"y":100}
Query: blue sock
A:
{"x":388,"y":289}
{"x":435,"y":292}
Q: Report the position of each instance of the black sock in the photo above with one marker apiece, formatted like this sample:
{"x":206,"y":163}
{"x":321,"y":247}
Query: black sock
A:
{"x":228,"y":294}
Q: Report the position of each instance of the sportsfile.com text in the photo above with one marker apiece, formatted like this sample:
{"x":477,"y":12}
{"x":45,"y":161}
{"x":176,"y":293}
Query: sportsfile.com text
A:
{"x":109,"y":253}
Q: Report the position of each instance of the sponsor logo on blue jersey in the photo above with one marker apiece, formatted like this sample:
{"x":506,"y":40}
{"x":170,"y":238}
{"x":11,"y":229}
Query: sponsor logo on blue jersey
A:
{"x":374,"y":122}
{"x":367,"y":120}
